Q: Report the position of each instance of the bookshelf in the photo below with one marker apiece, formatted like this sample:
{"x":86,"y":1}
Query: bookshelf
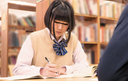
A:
{"x":86,"y":16}
{"x":120,"y":1}
{"x":89,"y":42}
{"x":110,"y":22}
{"x":6,"y":27}
{"x":104,"y":43}
{"x":21,"y":7}
{"x":21,"y":27}
{"x":110,"y":19}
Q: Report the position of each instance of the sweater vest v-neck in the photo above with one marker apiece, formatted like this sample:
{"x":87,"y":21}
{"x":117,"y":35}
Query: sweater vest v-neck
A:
{"x":43,"y":47}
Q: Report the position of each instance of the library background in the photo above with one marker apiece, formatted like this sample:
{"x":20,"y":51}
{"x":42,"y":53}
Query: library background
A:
{"x":95,"y":21}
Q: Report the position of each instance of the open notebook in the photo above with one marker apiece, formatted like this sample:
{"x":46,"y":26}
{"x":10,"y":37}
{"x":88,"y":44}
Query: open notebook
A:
{"x":88,"y":72}
{"x":24,"y":77}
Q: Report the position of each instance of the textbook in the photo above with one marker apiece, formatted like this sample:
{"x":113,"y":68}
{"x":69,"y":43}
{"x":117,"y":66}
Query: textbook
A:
{"x":88,"y":72}
{"x":25,"y":77}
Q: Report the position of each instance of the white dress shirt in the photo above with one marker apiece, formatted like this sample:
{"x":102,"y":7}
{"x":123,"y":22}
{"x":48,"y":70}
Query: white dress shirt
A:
{"x":24,"y":60}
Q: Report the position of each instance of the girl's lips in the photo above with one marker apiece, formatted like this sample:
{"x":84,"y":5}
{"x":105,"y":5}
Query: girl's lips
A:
{"x":58,"y":32}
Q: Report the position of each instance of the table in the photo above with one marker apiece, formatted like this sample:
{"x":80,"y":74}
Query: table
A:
{"x":64,"y":79}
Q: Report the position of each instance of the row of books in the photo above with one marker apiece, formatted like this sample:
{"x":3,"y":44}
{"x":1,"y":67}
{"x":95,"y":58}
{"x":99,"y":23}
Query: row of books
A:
{"x":106,"y":32}
{"x":111,"y":9}
{"x":0,"y":29}
{"x":12,"y":55}
{"x":101,"y":52}
{"x":86,"y":33}
{"x":90,"y":54}
{"x":13,"y":51}
{"x":84,"y":6}
{"x":102,"y":49}
{"x":12,"y":60}
{"x":23,"y":21}
{"x":17,"y":37}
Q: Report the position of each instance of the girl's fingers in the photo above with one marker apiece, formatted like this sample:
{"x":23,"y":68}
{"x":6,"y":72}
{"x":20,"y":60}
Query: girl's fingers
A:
{"x":52,"y":74}
{"x":51,"y":65}
{"x":54,"y":70}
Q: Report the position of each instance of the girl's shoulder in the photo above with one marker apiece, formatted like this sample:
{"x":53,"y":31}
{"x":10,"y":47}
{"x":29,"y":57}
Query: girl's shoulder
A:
{"x":39,"y":32}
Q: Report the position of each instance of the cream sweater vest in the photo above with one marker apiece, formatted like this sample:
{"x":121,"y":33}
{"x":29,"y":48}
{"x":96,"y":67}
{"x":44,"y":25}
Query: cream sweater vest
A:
{"x":43,"y":47}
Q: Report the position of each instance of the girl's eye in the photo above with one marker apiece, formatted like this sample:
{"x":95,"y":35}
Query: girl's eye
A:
{"x":65,"y":24}
{"x":61,"y":23}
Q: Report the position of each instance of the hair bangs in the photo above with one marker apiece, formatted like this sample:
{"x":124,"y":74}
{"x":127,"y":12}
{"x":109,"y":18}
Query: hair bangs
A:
{"x":61,"y":14}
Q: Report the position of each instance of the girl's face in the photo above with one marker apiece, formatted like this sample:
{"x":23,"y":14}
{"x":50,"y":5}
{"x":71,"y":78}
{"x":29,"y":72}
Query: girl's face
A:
{"x":60,"y":28}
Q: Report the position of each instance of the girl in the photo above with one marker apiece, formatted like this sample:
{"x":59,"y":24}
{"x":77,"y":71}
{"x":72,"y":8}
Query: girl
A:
{"x":56,"y":42}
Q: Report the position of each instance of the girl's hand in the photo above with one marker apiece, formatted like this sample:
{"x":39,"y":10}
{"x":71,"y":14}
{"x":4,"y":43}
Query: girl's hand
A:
{"x":62,"y":71}
{"x":49,"y":71}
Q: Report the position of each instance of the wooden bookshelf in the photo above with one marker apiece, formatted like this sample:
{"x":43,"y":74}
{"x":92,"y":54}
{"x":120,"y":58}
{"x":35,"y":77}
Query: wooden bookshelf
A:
{"x":14,"y":47}
{"x":110,"y":19}
{"x":84,"y":15}
{"x":89,"y":42}
{"x":119,"y":1}
{"x":5,"y":33}
{"x":22,"y":27}
{"x":104,"y":43}
{"x":12,"y":54}
{"x":21,"y":7}
{"x":41,"y":8}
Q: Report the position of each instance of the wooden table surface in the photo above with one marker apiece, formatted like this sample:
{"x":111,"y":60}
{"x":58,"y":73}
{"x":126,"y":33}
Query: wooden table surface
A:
{"x":63,"y":79}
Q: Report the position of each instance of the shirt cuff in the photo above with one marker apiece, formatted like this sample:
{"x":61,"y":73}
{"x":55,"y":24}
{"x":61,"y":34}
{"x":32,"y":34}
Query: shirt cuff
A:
{"x":68,"y":69}
{"x":37,"y":71}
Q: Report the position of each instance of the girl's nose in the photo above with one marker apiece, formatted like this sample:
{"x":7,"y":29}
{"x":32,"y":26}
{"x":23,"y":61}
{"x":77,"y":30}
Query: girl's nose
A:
{"x":60,"y":26}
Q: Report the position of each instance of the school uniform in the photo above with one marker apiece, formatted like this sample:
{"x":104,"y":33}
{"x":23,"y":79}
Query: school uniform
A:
{"x":39,"y":45}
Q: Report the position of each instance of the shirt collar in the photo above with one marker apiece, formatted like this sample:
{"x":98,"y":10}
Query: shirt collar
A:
{"x":52,"y":37}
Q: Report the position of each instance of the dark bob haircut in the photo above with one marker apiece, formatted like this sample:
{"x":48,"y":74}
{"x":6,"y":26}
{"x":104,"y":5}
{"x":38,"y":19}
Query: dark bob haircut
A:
{"x":60,"y":10}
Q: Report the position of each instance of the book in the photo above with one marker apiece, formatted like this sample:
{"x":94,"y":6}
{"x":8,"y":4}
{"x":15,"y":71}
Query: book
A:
{"x":26,"y":77}
{"x":88,"y":72}
{"x":111,"y":9}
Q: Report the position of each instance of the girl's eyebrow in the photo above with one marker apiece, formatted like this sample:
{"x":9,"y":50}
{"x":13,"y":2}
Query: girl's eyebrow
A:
{"x":61,"y":23}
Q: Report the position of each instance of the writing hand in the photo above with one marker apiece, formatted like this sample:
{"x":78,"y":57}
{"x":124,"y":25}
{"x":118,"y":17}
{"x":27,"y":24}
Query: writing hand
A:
{"x":62,"y":71}
{"x":49,"y":71}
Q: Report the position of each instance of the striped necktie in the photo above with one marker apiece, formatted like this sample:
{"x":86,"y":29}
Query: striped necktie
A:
{"x":59,"y":48}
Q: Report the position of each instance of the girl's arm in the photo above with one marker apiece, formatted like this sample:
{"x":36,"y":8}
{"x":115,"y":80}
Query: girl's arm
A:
{"x":23,"y":65}
{"x":80,"y":60}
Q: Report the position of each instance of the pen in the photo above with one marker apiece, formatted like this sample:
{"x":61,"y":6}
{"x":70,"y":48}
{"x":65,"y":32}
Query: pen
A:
{"x":49,"y":62}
